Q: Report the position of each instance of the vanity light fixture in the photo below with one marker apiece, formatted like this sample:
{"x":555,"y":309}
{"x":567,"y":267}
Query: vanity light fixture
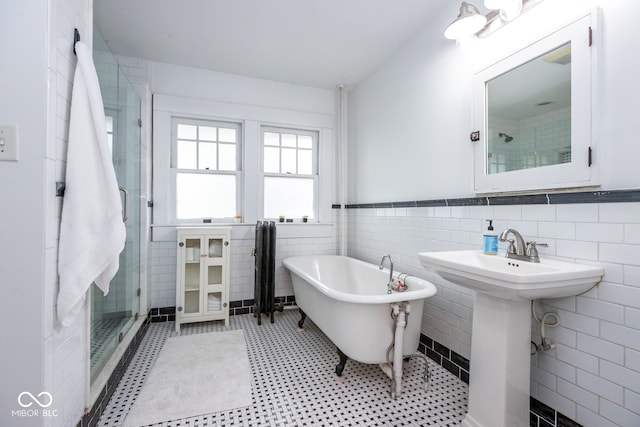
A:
{"x":509,"y":9}
{"x":471,"y":23}
{"x":467,"y":24}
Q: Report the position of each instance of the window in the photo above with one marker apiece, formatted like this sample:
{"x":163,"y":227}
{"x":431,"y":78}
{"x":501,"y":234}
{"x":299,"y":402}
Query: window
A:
{"x":290,"y":172}
{"x":205,"y":161}
{"x":214,"y":167}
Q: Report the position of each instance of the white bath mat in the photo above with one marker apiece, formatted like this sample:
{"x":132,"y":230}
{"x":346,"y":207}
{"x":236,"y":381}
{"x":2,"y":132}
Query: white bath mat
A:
{"x":195,"y":375}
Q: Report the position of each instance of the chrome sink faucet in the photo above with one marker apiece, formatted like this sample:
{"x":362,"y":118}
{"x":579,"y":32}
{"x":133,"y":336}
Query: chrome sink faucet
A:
{"x":517,"y":250}
{"x":381,"y":266}
{"x":520,"y":250}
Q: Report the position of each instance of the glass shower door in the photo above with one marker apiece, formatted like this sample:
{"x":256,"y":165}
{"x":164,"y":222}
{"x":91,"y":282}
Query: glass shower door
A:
{"x":113,"y":315}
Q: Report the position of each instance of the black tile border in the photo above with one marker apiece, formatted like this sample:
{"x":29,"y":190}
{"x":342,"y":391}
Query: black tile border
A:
{"x":168,"y":314}
{"x":540,"y":415}
{"x":443,"y":356}
{"x":91,"y":417}
{"x":613,"y":196}
{"x":617,"y":196}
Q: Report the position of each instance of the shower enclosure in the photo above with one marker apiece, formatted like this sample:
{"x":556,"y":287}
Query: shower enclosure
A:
{"x":113,"y":315}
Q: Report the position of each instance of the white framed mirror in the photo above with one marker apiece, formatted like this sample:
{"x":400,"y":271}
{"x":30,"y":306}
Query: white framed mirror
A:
{"x":534,"y":113}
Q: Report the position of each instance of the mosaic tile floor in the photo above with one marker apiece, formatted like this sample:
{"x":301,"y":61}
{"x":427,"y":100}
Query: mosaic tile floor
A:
{"x":294,"y":383}
{"x":104,"y":338}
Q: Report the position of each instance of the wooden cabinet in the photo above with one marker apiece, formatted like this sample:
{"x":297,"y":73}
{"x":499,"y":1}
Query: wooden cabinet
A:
{"x":202,"y":285}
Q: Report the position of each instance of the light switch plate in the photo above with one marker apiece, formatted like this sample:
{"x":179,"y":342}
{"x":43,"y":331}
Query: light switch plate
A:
{"x":9,"y":143}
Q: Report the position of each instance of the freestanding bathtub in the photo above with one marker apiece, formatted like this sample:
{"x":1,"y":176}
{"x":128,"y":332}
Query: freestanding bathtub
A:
{"x":347,"y":299}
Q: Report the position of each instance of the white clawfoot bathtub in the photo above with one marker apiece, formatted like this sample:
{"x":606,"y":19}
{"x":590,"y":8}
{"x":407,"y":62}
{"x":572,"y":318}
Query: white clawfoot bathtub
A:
{"x":347,"y":299}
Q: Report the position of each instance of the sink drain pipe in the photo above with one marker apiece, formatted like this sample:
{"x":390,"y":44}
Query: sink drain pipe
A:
{"x":548,"y":320}
{"x":393,"y":368}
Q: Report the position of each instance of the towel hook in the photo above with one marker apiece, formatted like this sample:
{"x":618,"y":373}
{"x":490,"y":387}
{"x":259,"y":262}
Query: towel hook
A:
{"x":76,"y":39}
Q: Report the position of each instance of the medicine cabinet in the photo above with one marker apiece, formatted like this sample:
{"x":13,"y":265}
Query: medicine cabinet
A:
{"x":533,"y":110}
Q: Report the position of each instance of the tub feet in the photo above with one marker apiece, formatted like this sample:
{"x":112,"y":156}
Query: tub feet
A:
{"x":303,"y":316}
{"x":343,"y":361}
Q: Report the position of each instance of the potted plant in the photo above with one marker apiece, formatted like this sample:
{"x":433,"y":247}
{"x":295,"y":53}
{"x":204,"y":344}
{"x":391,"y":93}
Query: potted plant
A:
{"x":305,"y":218}
{"x":281,"y":218}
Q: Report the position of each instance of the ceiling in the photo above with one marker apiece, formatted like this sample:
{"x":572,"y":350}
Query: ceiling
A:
{"x":319,"y":43}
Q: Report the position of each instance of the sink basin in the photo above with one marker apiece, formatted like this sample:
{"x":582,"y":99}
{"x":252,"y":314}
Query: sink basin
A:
{"x":511,"y":279}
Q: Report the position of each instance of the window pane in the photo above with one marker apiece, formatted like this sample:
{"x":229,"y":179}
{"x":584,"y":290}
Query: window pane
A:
{"x":227,"y":157}
{"x":226,"y":135}
{"x":271,"y":160}
{"x":271,"y":138}
{"x":205,"y":196}
{"x":305,"y":162}
{"x":207,"y":133}
{"x":305,"y":141}
{"x":288,"y":160}
{"x":187,"y":155}
{"x":288,"y":140}
{"x":207,"y":158}
{"x":187,"y":132}
{"x":292,"y":197}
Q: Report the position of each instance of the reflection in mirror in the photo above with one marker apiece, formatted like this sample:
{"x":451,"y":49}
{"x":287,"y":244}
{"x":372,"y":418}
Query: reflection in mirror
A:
{"x":529,"y":114}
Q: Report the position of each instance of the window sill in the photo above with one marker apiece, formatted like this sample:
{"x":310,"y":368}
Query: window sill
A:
{"x":246,"y":231}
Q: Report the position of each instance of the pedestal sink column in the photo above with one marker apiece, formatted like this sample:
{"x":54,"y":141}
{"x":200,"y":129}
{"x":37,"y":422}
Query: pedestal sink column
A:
{"x":500,"y":363}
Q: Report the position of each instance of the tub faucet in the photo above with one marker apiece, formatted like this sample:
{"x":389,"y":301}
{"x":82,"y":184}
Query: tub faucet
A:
{"x":517,"y":250}
{"x":381,"y":266}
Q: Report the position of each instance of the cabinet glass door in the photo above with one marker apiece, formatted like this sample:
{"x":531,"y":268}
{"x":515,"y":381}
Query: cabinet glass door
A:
{"x":192,"y":257}
{"x":214,"y":299}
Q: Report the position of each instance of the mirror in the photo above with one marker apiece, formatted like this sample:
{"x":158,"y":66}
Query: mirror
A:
{"x":529,"y":114}
{"x":533,"y":110}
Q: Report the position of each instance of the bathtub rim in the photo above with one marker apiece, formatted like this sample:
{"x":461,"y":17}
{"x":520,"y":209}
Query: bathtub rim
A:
{"x":426,"y":288}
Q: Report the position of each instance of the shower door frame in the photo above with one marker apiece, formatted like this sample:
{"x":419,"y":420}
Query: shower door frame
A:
{"x":95,"y":388}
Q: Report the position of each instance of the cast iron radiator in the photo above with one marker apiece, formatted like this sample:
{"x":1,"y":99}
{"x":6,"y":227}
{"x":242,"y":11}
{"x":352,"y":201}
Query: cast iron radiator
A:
{"x":265,"y":266}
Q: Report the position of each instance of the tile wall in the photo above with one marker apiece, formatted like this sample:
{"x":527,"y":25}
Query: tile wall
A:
{"x":163,"y":267}
{"x":593,"y":374}
{"x":64,"y":348}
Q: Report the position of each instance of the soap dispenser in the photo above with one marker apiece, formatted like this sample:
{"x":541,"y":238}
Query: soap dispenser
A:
{"x":490,"y":240}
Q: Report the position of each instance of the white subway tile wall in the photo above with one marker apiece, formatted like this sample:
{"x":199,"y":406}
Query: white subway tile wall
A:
{"x":163,"y":267}
{"x":64,"y":348}
{"x":593,"y":373}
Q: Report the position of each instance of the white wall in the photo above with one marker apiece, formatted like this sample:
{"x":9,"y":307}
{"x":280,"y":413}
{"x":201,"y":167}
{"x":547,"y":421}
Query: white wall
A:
{"x":35,"y":94}
{"x":22,"y":276}
{"x":409,"y":140}
{"x":189,"y":82}
{"x":420,"y":100}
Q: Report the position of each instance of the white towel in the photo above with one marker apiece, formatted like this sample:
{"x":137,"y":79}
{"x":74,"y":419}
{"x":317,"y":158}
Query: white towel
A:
{"x":92,"y":233}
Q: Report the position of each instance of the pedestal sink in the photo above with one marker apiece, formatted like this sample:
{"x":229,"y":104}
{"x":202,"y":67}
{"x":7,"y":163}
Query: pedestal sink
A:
{"x":501,"y":335}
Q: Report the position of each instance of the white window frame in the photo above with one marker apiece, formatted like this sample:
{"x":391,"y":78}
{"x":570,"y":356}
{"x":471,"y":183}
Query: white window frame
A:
{"x":315,"y":173}
{"x":174,"y":170}
{"x":252,"y":118}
